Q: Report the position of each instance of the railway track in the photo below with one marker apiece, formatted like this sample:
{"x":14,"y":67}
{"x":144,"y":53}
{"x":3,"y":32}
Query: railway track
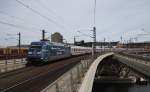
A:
{"x":17,"y":71}
{"x":35,"y":78}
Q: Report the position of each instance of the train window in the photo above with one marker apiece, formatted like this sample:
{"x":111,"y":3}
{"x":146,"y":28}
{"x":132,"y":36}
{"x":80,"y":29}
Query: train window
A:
{"x":36,"y":47}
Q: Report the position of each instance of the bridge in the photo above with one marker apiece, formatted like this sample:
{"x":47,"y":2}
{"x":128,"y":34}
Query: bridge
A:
{"x":81,"y":76}
{"x":90,"y":75}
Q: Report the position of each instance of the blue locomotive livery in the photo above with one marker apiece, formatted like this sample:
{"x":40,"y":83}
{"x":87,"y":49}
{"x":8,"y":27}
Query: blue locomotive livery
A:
{"x":45,"y":51}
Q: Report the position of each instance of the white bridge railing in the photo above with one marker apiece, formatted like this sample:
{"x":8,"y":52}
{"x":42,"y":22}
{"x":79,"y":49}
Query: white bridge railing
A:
{"x":12,"y":61}
{"x":71,"y":81}
{"x":12,"y":64}
{"x":87,"y":83}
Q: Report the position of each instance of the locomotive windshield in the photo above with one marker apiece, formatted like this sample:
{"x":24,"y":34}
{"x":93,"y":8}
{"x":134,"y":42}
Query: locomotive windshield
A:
{"x":35,"y":47}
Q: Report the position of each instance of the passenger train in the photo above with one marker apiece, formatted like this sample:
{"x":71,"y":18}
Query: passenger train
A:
{"x":45,"y":51}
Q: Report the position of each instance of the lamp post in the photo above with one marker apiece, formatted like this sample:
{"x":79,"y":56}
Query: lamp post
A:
{"x":19,"y":41}
{"x":94,"y":40}
{"x":75,"y":39}
{"x":104,"y":44}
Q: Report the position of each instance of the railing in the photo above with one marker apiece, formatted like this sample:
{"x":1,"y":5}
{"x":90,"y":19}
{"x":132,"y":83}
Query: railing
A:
{"x":12,"y":64}
{"x":12,"y":61}
{"x":70,"y":81}
{"x":87,"y":83}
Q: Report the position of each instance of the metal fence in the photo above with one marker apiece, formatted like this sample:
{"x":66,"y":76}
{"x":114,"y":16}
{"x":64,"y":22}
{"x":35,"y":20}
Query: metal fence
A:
{"x":71,"y":80}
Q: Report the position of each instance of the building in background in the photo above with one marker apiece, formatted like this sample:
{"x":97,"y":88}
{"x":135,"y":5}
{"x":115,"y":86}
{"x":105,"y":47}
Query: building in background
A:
{"x":57,"y":37}
{"x":142,"y":45}
{"x":98,"y":44}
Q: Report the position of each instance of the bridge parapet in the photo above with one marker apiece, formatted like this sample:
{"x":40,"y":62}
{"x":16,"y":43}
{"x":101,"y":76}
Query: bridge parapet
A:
{"x":71,"y":80}
{"x":139,"y":64}
{"x":12,"y":64}
{"x":144,"y":58}
{"x":88,"y":80}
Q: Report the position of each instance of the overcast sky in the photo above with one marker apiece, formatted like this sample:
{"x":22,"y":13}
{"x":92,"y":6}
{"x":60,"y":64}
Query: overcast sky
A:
{"x":114,"y":18}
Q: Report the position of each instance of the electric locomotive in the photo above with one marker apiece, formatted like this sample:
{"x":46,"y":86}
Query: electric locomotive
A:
{"x":45,"y":51}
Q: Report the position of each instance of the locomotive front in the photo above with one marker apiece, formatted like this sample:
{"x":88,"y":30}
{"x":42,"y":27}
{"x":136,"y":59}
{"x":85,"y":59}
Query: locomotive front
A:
{"x":35,"y":53}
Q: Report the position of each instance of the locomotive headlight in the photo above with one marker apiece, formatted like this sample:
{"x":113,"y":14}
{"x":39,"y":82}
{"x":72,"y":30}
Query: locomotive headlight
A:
{"x":29,"y":52}
{"x":38,"y":52}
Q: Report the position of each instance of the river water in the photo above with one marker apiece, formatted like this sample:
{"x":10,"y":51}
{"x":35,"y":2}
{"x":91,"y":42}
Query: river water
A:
{"x":120,"y":88}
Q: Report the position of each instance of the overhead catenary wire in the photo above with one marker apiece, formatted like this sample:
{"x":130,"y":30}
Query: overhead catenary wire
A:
{"x":52,"y":12}
{"x":85,"y":34}
{"x":17,"y":18}
{"x":46,"y":8}
{"x":4,"y":13}
{"x":11,"y":16}
{"x":18,"y":26}
{"x":43,"y":16}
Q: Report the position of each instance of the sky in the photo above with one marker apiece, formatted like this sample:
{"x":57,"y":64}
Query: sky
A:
{"x":128,"y":19}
